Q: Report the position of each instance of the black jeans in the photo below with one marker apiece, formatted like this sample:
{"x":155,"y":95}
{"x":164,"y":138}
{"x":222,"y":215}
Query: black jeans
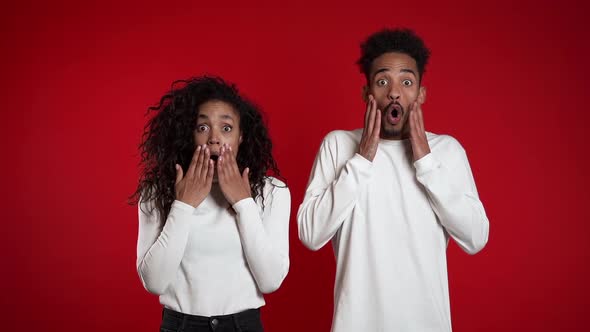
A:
{"x":245,"y":321}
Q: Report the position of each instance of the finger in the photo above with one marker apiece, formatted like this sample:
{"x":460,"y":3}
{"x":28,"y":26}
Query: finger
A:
{"x":245,"y":177}
{"x":412,"y":120}
{"x":191,"y":168}
{"x":178,"y":173}
{"x":232,"y":161}
{"x":200,"y":162}
{"x":205,"y":166}
{"x":368,"y":111}
{"x":420,"y":117}
{"x":221,"y":163}
{"x":210,"y":172}
{"x":371,"y":120}
{"x":415,"y":119}
{"x":377,"y":125}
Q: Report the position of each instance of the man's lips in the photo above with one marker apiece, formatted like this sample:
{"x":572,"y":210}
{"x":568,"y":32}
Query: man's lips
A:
{"x":394,"y":113}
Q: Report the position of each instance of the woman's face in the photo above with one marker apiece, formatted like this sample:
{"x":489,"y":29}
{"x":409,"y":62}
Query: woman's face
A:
{"x":218,"y":123}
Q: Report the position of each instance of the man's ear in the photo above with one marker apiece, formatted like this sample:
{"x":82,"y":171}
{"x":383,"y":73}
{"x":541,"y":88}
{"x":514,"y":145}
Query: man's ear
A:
{"x":365,"y":94}
{"x":422,"y":95}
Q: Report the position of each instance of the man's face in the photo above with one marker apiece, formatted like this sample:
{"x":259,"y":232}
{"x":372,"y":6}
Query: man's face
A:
{"x":218,"y":123}
{"x":394,"y":83}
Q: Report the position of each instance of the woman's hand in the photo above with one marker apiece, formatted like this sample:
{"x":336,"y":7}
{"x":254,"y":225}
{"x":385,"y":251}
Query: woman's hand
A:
{"x":195,"y":185}
{"x":234,"y":186}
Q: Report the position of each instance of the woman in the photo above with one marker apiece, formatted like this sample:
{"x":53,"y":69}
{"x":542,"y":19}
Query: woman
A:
{"x":213,"y":227}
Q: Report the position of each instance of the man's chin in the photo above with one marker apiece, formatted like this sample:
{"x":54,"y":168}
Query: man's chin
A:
{"x":391,"y":132}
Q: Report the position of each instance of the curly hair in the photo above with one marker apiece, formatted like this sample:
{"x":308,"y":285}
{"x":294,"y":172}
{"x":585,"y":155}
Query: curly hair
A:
{"x":393,"y":40}
{"x":168,"y":140}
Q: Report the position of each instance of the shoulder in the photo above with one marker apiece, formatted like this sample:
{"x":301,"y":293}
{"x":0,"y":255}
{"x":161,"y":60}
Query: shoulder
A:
{"x":343,"y":137}
{"x":275,"y":190}
{"x":273,"y":185}
{"x":274,"y":182}
{"x":444,"y":143}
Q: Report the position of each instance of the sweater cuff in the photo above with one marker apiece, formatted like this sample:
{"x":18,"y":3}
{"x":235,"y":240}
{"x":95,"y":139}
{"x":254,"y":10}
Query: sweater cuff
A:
{"x":182,"y":207}
{"x":244,"y":205}
{"x":361,"y":161}
{"x":426,"y":164}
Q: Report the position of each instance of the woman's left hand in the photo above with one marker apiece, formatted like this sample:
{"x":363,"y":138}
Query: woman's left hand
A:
{"x":234,"y":186}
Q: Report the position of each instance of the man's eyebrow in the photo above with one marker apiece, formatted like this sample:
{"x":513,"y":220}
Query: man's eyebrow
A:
{"x":404,"y":70}
{"x":407,"y":70}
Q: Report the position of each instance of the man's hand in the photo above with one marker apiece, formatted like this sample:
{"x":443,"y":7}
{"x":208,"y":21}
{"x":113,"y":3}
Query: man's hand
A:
{"x":420,"y":147}
{"x":370,"y":137}
{"x":194,"y":187}
{"x":234,"y":186}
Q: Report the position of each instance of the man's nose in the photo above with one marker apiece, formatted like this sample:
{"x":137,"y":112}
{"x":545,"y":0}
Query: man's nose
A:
{"x":394,"y":92}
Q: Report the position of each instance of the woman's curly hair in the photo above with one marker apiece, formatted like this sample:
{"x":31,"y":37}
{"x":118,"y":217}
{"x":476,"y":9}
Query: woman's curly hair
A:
{"x":168,"y":140}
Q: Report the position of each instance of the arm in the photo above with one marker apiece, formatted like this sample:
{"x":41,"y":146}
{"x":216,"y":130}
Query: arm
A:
{"x":265,"y":239}
{"x":331,"y":193}
{"x":450,"y":187}
{"x":453,"y":196}
{"x":160,"y":249}
{"x":330,"y":196}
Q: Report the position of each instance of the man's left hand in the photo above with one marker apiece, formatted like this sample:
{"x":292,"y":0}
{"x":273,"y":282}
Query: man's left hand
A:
{"x":420,"y":147}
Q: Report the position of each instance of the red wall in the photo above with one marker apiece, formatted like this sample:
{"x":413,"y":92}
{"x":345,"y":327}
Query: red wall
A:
{"x":507,"y":80}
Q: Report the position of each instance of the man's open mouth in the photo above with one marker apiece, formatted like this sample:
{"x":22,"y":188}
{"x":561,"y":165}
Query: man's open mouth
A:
{"x":394,"y":113}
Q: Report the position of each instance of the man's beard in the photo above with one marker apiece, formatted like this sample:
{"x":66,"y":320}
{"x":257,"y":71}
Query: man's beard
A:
{"x":390,"y":133}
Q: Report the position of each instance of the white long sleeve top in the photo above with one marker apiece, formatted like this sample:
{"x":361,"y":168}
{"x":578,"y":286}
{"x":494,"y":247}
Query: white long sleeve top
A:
{"x":389,"y":222}
{"x":216,"y":259}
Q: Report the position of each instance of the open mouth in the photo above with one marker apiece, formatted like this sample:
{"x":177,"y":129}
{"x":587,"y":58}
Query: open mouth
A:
{"x":214,"y":157}
{"x":394,"y":113}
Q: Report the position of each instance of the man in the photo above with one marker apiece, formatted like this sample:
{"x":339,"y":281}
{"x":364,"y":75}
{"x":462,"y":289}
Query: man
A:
{"x":389,"y":196}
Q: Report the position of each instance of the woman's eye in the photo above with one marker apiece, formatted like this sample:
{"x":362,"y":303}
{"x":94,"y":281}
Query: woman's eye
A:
{"x":227,"y":128}
{"x":382,"y":82}
{"x":201,"y":128}
{"x":407,"y":82}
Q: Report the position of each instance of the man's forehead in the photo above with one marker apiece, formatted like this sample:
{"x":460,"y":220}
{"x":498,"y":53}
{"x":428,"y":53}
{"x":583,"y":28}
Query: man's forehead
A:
{"x":394,"y":61}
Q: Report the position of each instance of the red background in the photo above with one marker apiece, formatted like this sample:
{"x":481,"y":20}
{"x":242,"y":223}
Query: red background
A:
{"x":507,"y":80}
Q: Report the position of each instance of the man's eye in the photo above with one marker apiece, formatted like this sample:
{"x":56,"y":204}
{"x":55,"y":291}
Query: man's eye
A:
{"x":382,"y":82}
{"x":407,"y":82}
{"x":227,"y":128}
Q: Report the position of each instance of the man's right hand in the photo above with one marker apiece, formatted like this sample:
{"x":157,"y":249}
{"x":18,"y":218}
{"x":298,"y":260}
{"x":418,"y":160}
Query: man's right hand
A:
{"x":195,"y":185}
{"x":370,"y":137}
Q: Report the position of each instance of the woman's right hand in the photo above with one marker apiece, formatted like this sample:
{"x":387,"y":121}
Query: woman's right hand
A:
{"x":193,"y":187}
